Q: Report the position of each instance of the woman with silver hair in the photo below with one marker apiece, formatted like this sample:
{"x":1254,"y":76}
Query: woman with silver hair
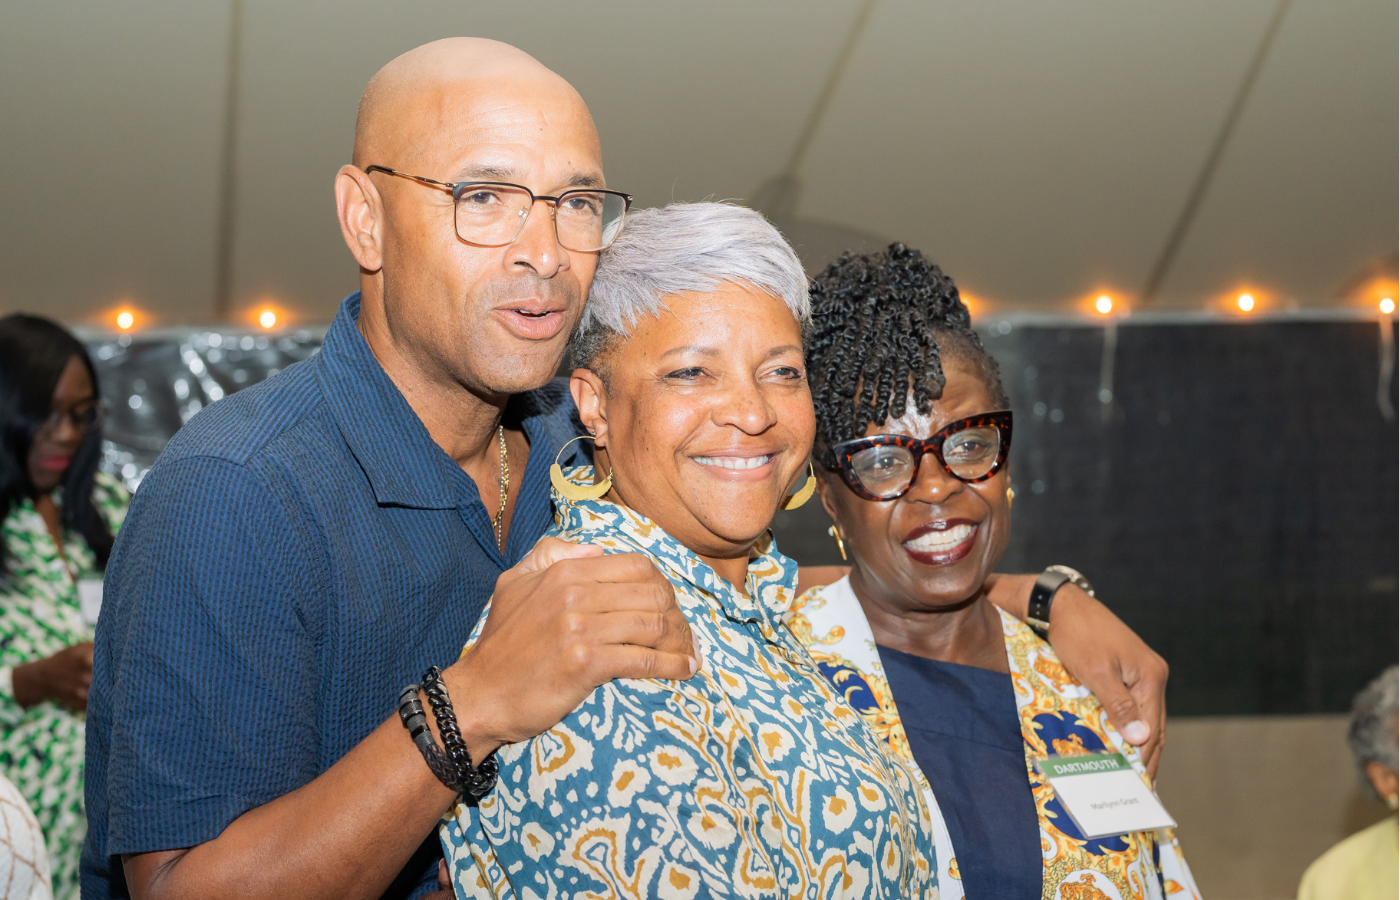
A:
{"x":1367,"y":864}
{"x":754,"y":778}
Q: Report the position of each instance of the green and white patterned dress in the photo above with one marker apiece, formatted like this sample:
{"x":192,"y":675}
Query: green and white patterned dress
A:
{"x":41,"y":749}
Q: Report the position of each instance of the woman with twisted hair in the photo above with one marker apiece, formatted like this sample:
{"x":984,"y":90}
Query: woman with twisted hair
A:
{"x":912,"y":433}
{"x":755,"y":778}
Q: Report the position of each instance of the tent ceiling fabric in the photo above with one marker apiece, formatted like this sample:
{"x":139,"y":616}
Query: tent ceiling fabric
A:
{"x":1037,"y":151}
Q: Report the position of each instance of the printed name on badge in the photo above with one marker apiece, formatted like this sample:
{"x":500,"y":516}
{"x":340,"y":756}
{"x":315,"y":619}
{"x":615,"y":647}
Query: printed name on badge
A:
{"x":1104,"y":794}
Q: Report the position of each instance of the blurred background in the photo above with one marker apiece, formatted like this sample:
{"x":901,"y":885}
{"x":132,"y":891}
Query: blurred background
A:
{"x":1175,"y":223}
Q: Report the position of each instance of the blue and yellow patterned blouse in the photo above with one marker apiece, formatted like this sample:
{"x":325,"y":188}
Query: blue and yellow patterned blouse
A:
{"x":752,"y":779}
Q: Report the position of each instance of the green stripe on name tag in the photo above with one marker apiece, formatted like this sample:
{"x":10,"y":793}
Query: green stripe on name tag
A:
{"x":1061,"y":766}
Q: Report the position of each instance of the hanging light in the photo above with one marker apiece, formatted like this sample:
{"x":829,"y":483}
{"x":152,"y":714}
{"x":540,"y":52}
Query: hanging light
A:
{"x":125,"y":319}
{"x":1387,"y":305}
{"x":267,"y":318}
{"x":1104,"y":304}
{"x":1245,"y":302}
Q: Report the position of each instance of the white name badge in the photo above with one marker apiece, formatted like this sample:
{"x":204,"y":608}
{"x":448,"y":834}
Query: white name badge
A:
{"x":90,"y":598}
{"x":1104,"y":795}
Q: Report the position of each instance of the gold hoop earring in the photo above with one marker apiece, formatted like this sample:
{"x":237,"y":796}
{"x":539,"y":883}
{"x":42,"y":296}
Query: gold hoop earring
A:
{"x":804,"y":493}
{"x":840,"y":544}
{"x":576,"y":492}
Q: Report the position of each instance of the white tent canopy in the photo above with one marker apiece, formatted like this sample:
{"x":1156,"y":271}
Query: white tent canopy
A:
{"x":1040,"y":152}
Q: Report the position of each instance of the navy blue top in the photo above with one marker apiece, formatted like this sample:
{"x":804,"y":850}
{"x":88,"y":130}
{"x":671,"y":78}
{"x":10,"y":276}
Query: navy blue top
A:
{"x":965,"y":733}
{"x":300,"y":552}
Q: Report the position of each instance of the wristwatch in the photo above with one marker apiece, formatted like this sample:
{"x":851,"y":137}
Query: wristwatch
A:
{"x":1049,"y":582}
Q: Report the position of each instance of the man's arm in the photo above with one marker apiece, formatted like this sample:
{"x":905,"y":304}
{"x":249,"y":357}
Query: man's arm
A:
{"x":1106,"y":656}
{"x":563,"y":621}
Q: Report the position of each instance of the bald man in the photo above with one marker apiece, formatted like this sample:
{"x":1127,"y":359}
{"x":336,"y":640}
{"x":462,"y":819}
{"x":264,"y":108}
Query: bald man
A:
{"x":306,"y":548}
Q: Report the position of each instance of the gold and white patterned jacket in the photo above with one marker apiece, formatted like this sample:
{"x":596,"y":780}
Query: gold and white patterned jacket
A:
{"x":1058,"y":716}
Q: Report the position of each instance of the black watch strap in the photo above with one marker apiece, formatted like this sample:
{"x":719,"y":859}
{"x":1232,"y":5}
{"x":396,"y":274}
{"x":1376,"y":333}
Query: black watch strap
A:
{"x":1038,"y":610}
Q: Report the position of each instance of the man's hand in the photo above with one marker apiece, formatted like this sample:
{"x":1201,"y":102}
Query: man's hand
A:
{"x":63,"y":678}
{"x":1104,"y":655}
{"x":1107,"y":657}
{"x":563,"y":621}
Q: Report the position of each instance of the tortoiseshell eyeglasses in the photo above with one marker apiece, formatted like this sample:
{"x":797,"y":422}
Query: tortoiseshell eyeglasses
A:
{"x":884,"y":466}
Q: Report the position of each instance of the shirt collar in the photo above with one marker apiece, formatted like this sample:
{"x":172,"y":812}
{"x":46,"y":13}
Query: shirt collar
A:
{"x":403,"y":463}
{"x":772,"y":577}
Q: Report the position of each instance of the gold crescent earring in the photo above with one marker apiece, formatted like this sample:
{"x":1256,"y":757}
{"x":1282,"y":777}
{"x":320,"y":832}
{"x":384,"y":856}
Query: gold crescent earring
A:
{"x":1010,"y":496}
{"x":804,"y":493}
{"x":577,"y":492}
{"x":840,"y":544}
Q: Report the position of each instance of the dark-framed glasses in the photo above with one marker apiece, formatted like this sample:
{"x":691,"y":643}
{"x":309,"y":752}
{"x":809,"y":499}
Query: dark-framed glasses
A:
{"x":883,"y":466}
{"x":82,"y":416}
{"x":492,"y":213}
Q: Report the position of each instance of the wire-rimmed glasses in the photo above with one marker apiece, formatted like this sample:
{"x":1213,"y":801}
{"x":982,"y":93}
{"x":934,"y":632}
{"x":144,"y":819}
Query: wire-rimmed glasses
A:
{"x":493,"y":213}
{"x":884,"y":466}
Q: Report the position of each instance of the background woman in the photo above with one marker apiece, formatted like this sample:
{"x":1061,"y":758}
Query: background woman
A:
{"x":913,"y":428}
{"x":753,"y":778}
{"x":57,"y":520}
{"x":1366,"y":866}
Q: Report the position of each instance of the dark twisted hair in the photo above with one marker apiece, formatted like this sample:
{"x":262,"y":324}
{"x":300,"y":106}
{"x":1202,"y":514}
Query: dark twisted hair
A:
{"x":879,"y":324}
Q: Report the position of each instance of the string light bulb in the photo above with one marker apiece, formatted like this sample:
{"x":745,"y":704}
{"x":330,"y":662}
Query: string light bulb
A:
{"x":1387,"y":305}
{"x":267,"y":318}
{"x":125,"y":319}
{"x":1104,"y":304}
{"x":1245,"y":302}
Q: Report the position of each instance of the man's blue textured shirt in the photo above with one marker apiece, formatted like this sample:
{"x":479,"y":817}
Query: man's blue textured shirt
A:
{"x":300,"y":552}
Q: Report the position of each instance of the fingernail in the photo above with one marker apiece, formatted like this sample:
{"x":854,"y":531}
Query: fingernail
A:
{"x":1137,"y":732}
{"x":694,"y":665}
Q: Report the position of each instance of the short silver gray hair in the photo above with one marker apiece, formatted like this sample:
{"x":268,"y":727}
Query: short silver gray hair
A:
{"x":685,"y":247}
{"x":1375,"y":723}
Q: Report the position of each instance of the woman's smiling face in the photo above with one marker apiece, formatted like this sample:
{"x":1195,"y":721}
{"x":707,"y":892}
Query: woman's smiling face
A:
{"x":933,"y":547}
{"x":705,"y":417}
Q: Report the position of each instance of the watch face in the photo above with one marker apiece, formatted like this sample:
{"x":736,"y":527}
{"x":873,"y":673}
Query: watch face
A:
{"x":1075,"y":578}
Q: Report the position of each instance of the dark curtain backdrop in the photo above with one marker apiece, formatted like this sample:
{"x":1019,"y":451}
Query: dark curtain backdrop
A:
{"x":1237,"y":505}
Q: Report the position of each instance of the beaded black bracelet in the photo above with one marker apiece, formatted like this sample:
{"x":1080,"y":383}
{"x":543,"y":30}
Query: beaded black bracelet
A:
{"x":476,"y":781}
{"x":413,"y":718}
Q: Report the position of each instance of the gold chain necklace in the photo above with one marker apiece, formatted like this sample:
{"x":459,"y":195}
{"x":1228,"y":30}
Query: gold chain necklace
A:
{"x":504,"y":482}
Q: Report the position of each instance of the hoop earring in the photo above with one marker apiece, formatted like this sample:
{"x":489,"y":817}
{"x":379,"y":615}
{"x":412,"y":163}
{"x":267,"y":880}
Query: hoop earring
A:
{"x":840,"y":544}
{"x":804,"y":493}
{"x":576,"y":492}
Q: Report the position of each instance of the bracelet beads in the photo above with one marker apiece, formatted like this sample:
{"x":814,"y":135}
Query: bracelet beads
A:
{"x":413,"y":718}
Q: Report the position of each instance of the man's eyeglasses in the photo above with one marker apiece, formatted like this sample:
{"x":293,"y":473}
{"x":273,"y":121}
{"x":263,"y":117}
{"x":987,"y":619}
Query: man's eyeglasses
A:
{"x":492,"y":214}
{"x":82,"y":417}
{"x":884,"y":466}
